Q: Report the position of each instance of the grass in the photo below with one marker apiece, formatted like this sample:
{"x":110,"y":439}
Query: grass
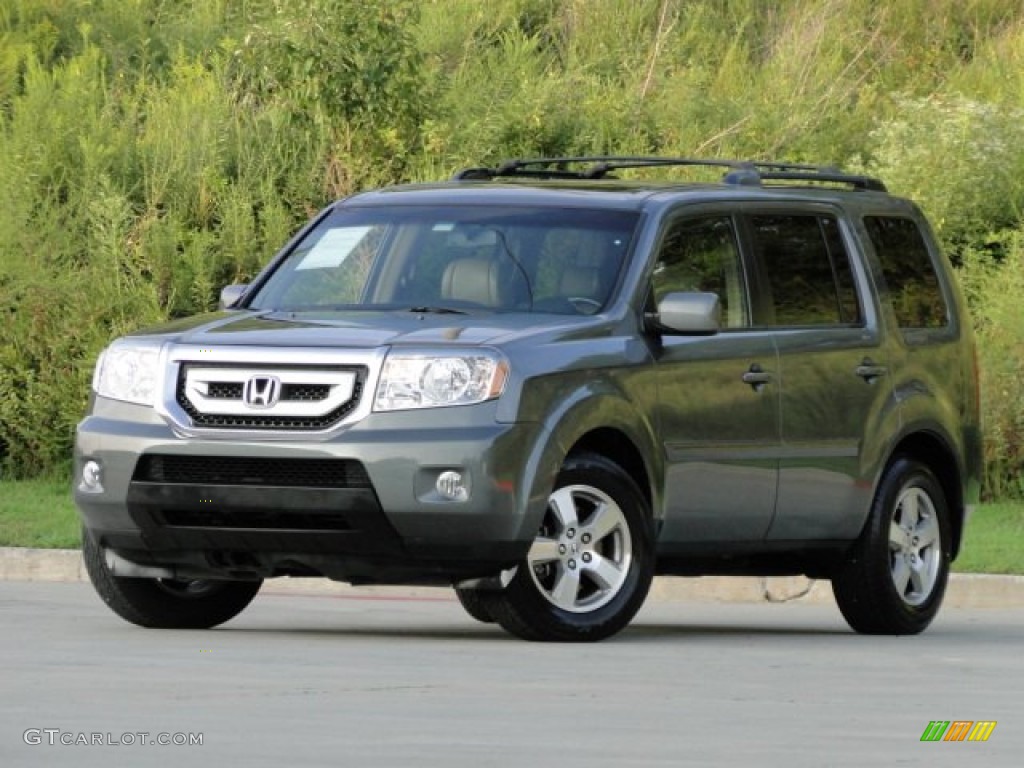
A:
{"x":994,"y":540}
{"x":39,"y":513}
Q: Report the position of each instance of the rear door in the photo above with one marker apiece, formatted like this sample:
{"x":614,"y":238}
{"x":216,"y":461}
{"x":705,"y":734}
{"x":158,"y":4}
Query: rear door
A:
{"x":718,"y":396}
{"x":835,"y":385}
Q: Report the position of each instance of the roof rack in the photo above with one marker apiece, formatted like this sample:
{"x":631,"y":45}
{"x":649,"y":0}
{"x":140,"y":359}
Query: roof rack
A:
{"x":739,"y":172}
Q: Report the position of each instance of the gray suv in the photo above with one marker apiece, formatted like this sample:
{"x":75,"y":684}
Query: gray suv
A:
{"x":544,"y":384}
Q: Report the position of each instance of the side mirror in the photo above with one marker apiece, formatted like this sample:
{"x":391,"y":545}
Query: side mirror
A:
{"x":229,"y":294}
{"x":689,"y":313}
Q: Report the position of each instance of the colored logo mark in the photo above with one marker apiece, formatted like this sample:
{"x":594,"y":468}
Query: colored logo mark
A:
{"x":958,"y":730}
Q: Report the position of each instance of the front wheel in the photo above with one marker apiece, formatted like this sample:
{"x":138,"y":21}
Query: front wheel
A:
{"x":590,"y":566}
{"x":476,"y":603}
{"x":166,"y":603}
{"x":894,"y":578}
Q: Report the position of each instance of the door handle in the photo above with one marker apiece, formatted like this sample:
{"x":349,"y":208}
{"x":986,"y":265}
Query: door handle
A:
{"x":756,"y":377}
{"x":868,"y":371}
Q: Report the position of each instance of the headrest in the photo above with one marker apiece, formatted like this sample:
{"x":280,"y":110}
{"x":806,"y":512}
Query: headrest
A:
{"x":473,"y":280}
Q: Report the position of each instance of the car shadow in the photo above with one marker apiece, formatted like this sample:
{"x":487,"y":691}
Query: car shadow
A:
{"x":636,"y":633}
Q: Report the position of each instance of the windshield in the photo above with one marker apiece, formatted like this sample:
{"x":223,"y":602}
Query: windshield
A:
{"x":561,"y":260}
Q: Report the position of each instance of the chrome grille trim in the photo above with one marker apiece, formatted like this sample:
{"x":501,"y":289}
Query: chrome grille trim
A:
{"x":200,"y":379}
{"x":304,"y":373}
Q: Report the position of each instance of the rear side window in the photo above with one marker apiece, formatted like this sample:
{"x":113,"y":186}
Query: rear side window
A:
{"x":908,"y":271}
{"x":807,"y":270}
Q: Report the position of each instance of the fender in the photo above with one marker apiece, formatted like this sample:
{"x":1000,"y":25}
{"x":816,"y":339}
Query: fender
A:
{"x":588,"y":404}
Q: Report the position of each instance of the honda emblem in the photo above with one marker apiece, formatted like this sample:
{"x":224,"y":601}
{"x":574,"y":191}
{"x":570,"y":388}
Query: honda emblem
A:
{"x":262,"y":391}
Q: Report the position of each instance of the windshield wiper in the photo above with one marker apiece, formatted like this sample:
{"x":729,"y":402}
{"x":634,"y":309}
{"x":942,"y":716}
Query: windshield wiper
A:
{"x":436,"y":311}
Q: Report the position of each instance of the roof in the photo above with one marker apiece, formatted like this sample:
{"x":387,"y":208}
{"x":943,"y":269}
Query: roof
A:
{"x":589,"y":182}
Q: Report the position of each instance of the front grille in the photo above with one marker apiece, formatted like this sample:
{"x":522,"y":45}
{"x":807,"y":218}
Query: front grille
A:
{"x":226,"y":390}
{"x":230,"y":390}
{"x":260,"y":519}
{"x":232,"y":470}
{"x":304,"y":392}
{"x":290,"y":392}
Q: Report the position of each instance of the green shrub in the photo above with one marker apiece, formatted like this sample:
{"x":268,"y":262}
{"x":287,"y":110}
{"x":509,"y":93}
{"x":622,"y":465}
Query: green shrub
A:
{"x":960,"y":159}
{"x":347,"y":72}
{"x":994,"y":287}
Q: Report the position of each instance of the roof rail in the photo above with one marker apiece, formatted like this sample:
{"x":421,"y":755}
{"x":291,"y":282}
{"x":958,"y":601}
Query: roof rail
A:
{"x":740,"y":172}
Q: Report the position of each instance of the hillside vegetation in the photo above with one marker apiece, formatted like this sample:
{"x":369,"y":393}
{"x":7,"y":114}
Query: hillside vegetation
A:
{"x":153,"y":150}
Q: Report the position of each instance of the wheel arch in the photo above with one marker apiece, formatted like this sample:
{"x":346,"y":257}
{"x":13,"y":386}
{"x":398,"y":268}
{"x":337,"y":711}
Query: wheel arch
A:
{"x":618,"y":447}
{"x":931,"y":449}
{"x":603,"y":422}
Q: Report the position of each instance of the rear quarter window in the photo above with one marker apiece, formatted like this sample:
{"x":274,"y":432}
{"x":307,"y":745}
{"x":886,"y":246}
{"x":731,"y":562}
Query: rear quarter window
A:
{"x":908,"y":269}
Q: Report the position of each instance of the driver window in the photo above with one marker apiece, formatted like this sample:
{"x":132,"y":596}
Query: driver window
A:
{"x":702,"y":255}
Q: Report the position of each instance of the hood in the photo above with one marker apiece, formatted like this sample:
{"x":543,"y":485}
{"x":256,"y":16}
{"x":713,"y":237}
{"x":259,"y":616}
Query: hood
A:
{"x":353,"y":329}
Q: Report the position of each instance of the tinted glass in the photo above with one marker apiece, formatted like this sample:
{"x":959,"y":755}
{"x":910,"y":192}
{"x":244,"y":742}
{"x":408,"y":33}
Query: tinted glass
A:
{"x":702,"y":255}
{"x":909,"y":273}
{"x":564,"y":261}
{"x":849,"y":306}
{"x":807,"y":269}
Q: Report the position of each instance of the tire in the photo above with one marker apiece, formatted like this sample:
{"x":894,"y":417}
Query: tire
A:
{"x":894,"y":577}
{"x":590,"y":566}
{"x":476,"y":604}
{"x":166,"y":603}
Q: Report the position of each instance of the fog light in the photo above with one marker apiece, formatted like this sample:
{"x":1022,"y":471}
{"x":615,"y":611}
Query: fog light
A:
{"x":92,"y":477}
{"x":451,"y":486}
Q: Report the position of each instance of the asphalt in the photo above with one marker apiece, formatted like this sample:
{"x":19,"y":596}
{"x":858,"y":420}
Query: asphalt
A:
{"x":318,"y":680}
{"x":970,"y":591}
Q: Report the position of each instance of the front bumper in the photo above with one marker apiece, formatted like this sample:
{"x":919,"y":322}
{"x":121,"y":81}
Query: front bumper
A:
{"x":385,"y":523}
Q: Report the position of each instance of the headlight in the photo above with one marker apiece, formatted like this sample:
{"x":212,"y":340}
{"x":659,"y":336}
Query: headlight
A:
{"x":427,"y":380}
{"x":128,"y":371}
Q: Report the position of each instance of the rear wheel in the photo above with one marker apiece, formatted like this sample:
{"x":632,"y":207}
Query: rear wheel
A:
{"x":894,"y":578}
{"x":166,"y":603}
{"x":591,"y":563}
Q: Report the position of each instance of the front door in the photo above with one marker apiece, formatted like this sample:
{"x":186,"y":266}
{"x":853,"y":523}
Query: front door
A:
{"x":718,"y":395}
